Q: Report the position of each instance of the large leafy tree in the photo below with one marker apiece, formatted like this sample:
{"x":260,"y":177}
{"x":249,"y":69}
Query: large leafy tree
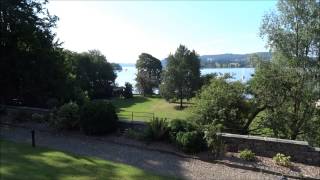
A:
{"x":289,"y":85}
{"x":149,"y":71}
{"x":31,"y":65}
{"x":181,"y":78}
{"x":225,"y":103}
{"x":94,"y":74}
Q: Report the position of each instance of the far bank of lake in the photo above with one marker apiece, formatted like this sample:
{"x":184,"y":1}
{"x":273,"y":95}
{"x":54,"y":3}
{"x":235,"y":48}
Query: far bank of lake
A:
{"x":128,"y":73}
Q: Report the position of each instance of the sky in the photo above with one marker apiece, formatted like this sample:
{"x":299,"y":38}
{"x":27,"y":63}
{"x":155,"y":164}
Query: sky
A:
{"x":122,"y":30}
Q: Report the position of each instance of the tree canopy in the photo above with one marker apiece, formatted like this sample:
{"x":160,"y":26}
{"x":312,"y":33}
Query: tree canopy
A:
{"x":181,"y":78}
{"x":149,"y":73}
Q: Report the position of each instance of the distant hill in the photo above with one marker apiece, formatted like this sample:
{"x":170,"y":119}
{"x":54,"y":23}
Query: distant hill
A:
{"x":227,"y":60}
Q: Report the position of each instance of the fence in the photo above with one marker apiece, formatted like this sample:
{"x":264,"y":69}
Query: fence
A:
{"x":135,"y":116}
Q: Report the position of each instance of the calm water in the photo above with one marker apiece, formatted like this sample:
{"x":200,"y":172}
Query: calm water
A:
{"x":128,"y":74}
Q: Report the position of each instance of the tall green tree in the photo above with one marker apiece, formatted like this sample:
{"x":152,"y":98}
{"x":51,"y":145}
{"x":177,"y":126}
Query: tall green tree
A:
{"x":289,"y":85}
{"x":94,"y":74}
{"x":31,"y":65}
{"x":181,"y":78}
{"x":149,"y":73}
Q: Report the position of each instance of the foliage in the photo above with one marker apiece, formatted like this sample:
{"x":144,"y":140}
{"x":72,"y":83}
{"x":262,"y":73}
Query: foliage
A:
{"x":127,"y":91}
{"x":282,"y":160}
{"x":191,"y":141}
{"x":31,"y":67}
{"x":213,"y":141}
{"x":182,"y":75}
{"x":178,"y":125}
{"x":206,"y":79}
{"x":157,"y":129}
{"x":52,"y":103}
{"x":149,"y":71}
{"x":289,"y":86}
{"x":94,"y":74}
{"x":67,"y":117}
{"x":21,"y":116}
{"x":37,"y":117}
{"x":247,"y":155}
{"x":3,"y":110}
{"x":225,"y":103}
{"x":116,"y":67}
{"x":44,"y":163}
{"x":98,"y":117}
{"x":133,"y":134}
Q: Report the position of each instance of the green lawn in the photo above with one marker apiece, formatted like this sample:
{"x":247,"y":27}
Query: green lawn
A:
{"x":21,"y":161}
{"x":156,"y":105}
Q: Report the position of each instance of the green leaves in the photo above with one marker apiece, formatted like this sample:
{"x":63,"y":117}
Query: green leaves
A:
{"x":181,"y":77}
{"x":149,"y":73}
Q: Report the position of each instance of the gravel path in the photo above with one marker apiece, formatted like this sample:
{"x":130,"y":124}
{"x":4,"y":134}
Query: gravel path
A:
{"x":154,"y":161}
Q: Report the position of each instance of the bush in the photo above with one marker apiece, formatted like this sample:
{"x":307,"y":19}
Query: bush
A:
{"x":178,"y":125}
{"x":247,"y":155}
{"x":67,"y":116}
{"x":282,"y":160}
{"x":21,"y":116}
{"x":190,"y":142}
{"x":98,"y":117}
{"x":214,"y":142}
{"x":37,"y":117}
{"x":133,"y":134}
{"x":52,"y":103}
{"x":157,"y":129}
{"x":3,"y":110}
{"x":127,"y":93}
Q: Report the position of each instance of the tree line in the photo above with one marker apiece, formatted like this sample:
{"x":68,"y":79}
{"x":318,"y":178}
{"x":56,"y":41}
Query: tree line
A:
{"x":36,"y":71}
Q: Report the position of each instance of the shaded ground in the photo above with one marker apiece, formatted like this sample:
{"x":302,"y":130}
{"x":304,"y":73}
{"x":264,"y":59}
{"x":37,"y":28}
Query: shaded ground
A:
{"x":21,"y":161}
{"x":160,"y":163}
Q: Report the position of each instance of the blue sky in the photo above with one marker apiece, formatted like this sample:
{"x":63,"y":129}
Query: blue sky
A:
{"x":122,"y":30}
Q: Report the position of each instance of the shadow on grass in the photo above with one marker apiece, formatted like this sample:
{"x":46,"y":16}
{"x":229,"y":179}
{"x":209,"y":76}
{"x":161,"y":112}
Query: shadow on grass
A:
{"x":120,"y":103}
{"x":20,"y":161}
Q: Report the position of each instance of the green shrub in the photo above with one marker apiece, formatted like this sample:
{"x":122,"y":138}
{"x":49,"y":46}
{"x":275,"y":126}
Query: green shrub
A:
{"x":282,"y":160}
{"x":247,"y":155}
{"x":190,"y":142}
{"x":37,"y":117}
{"x":52,"y":103}
{"x":3,"y":110}
{"x":178,"y":125}
{"x":157,"y":129}
{"x":67,"y":117}
{"x":21,"y":116}
{"x":127,"y":93}
{"x":98,"y":117}
{"x":214,"y":142}
{"x":134,"y":134}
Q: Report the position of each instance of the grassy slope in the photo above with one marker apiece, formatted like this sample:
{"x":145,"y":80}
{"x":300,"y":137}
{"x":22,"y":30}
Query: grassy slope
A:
{"x":155,"y":105}
{"x":20,"y":161}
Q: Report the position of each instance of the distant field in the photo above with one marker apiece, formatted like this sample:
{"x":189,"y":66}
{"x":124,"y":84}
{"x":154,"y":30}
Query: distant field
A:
{"x":21,"y":161}
{"x":151,"y":105}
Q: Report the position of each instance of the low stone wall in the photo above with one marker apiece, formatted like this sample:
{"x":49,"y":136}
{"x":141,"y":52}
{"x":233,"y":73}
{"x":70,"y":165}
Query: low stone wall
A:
{"x":300,"y":151}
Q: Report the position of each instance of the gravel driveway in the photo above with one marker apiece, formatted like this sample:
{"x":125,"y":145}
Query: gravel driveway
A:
{"x":161,"y":163}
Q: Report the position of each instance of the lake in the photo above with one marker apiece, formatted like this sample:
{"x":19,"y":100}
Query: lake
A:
{"x":128,"y":74}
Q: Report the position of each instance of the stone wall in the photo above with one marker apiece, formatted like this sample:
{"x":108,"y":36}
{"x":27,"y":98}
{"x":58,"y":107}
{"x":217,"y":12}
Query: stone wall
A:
{"x":300,"y":151}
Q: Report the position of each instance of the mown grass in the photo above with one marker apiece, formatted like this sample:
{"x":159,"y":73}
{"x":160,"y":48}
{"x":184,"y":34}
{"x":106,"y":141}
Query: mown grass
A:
{"x":21,"y":161}
{"x":154,"y":104}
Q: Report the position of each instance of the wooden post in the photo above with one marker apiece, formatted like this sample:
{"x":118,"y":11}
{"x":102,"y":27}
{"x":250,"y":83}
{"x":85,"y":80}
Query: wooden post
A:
{"x":33,"y":139}
{"x":131,"y":116}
